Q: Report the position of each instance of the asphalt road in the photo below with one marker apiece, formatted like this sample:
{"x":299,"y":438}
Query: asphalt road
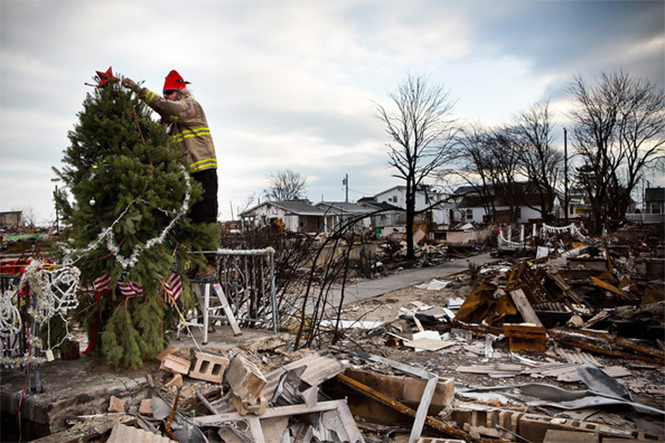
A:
{"x":374,"y":288}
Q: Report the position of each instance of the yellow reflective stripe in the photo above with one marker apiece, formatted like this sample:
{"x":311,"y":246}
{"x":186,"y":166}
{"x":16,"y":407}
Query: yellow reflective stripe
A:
{"x":199,"y":132}
{"x":149,"y":95}
{"x":203,"y":164}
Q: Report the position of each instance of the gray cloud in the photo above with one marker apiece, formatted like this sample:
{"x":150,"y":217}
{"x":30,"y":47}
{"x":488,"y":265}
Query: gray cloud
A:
{"x":290,"y":84}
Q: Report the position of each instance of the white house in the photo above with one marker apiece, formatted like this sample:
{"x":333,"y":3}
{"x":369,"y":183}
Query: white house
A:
{"x":297,"y":216}
{"x":339,"y":212}
{"x":425,"y":198}
{"x":527,"y":207}
{"x":388,"y":215}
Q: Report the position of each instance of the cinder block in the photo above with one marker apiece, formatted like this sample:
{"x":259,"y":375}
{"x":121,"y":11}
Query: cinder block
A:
{"x":171,"y":350}
{"x":175,"y":381}
{"x":533,"y":427}
{"x":469,"y":413}
{"x":478,"y":418}
{"x":413,"y":389}
{"x":209,"y":367}
{"x":245,"y":379}
{"x":116,"y":404}
{"x":146,"y":407}
{"x":510,"y":419}
{"x":493,"y":419}
{"x":557,"y":436}
{"x":245,"y":408}
{"x":175,"y":364}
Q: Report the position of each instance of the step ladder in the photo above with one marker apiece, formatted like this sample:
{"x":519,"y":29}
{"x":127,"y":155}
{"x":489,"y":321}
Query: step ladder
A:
{"x":211,"y":308}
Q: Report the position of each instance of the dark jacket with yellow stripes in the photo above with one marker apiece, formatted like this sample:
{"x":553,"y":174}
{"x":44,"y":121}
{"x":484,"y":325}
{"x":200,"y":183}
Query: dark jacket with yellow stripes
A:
{"x":186,"y":122}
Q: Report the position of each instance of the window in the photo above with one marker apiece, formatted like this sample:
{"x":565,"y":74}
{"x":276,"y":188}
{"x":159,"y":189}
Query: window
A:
{"x":518,"y":213}
{"x":469,"y":214}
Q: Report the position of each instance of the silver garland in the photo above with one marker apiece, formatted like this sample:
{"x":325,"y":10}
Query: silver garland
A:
{"x":112,"y":246}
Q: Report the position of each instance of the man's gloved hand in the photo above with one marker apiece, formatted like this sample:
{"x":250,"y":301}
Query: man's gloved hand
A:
{"x":128,"y":83}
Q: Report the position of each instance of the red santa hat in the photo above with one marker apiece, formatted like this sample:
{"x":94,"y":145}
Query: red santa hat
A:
{"x":174,"y":81}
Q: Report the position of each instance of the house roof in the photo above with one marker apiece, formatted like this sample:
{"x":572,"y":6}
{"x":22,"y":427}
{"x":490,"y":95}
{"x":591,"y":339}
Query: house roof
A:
{"x":462,"y":190}
{"x":371,"y":201}
{"x":342,"y":207}
{"x":654,"y":195}
{"x":296,"y":207}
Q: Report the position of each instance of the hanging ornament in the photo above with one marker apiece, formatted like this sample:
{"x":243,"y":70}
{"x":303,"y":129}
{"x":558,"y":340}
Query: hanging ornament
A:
{"x":92,"y":201}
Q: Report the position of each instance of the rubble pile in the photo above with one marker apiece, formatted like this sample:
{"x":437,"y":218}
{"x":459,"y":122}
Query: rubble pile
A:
{"x":560,"y":345}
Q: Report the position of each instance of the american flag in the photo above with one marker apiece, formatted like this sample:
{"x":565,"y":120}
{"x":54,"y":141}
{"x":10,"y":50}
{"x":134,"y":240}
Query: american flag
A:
{"x":130,"y":289}
{"x":102,"y":283}
{"x":172,"y":288}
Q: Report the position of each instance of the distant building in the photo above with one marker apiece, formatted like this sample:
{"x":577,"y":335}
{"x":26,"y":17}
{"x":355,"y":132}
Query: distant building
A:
{"x":426,"y":197}
{"x":521,"y":206}
{"x":11,"y":219}
{"x":296,"y":215}
{"x":388,"y":215}
{"x":338,"y":213}
{"x":654,"y":200}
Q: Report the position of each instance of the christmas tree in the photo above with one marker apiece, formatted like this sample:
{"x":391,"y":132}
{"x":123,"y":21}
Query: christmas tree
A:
{"x":125,"y":206}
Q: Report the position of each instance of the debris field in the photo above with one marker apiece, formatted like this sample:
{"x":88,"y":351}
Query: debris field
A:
{"x":563,"y":345}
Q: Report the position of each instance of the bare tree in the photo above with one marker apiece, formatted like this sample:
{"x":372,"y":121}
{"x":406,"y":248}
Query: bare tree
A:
{"x":619,"y":133}
{"x":473,"y":164}
{"x":421,"y":129}
{"x":539,"y":161}
{"x":286,"y":185}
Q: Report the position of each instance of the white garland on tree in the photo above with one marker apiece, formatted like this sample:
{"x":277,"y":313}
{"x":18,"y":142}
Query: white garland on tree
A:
{"x":112,"y":246}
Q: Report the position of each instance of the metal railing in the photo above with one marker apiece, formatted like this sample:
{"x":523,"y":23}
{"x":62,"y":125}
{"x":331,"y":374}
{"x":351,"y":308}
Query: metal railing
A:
{"x":248,"y":280}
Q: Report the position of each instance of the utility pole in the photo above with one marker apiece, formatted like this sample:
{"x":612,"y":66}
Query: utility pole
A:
{"x":565,"y":174}
{"x":345,"y":182}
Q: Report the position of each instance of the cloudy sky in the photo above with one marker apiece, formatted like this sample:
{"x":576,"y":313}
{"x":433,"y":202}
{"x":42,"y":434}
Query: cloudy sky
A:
{"x":291,"y":84}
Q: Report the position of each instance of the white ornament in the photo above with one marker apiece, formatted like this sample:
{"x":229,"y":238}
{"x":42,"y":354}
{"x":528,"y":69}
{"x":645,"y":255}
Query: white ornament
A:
{"x":92,"y":201}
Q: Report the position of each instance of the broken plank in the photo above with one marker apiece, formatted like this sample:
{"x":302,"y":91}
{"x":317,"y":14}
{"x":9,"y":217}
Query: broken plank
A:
{"x":421,"y":413}
{"x":524,"y":307}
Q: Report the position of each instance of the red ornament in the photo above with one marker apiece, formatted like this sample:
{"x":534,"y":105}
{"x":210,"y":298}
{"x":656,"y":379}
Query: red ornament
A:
{"x":105,"y":77}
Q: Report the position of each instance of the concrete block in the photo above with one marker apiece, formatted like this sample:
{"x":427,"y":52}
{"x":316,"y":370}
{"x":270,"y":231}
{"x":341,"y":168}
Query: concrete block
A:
{"x":175,"y":364}
{"x":175,"y":381}
{"x":116,"y":404}
{"x":510,"y":419}
{"x":469,"y":413}
{"x":146,"y":407}
{"x":557,"y":436}
{"x":244,"y":408}
{"x":408,"y":390}
{"x":209,"y":367}
{"x":245,"y":379}
{"x":534,"y":427}
{"x":171,"y":350}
